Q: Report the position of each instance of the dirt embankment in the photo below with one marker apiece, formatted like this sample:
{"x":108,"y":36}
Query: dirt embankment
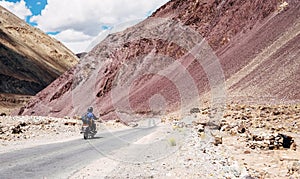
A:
{"x":10,"y":102}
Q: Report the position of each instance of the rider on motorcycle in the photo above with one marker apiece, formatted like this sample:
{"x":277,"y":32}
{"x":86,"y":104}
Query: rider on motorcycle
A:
{"x":90,"y":118}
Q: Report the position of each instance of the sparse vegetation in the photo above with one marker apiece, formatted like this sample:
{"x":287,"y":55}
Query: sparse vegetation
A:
{"x":172,"y":141}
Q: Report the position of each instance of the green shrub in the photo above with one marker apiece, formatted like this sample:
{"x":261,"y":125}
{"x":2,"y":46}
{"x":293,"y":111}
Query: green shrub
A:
{"x":172,"y":142}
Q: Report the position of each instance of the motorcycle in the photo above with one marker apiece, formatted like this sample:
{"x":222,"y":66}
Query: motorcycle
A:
{"x":87,"y":130}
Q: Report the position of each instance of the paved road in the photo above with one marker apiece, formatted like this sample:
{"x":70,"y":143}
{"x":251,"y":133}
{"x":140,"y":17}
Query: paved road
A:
{"x":61,"y":160}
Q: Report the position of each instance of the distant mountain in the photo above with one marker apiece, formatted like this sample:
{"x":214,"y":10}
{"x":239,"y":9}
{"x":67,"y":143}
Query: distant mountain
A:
{"x":186,"y":52}
{"x":81,"y":55}
{"x":29,"y":59}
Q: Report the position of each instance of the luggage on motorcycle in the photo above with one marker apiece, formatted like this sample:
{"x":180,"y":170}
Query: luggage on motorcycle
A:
{"x":84,"y":119}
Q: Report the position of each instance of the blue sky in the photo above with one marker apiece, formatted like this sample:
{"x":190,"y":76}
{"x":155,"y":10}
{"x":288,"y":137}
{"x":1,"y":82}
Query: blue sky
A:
{"x":34,"y":6}
{"x":77,"y":23}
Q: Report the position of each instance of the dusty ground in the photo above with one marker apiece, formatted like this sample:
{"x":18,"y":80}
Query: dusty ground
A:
{"x":249,"y":134}
{"x":248,"y":144}
{"x":17,"y":132}
{"x":186,"y":158}
{"x":265,"y":121}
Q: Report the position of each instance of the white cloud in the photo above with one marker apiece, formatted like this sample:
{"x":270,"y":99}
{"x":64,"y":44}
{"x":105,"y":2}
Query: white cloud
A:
{"x":74,"y":40}
{"x":17,"y":8}
{"x":88,"y":17}
{"x":77,"y":47}
{"x":71,"y":35}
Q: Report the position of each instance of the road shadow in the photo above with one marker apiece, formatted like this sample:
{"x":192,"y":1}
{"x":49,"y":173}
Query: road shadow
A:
{"x":97,"y":137}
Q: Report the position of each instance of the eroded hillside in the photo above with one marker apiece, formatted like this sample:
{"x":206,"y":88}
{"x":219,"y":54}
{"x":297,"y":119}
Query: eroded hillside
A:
{"x":230,"y":49}
{"x":29,"y":59}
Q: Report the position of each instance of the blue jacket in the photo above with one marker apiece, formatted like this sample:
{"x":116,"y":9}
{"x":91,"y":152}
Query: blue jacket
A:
{"x":90,"y":115}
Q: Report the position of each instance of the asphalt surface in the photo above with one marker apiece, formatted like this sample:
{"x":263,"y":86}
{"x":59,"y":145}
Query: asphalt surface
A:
{"x":61,"y":160}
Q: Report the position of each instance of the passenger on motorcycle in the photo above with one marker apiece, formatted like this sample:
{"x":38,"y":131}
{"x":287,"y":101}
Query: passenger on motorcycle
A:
{"x":89,"y":118}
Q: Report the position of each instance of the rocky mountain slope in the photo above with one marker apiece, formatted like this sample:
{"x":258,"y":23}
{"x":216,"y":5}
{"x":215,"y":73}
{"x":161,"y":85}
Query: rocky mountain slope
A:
{"x":256,"y":42}
{"x":29,"y":59}
{"x":187,"y":50}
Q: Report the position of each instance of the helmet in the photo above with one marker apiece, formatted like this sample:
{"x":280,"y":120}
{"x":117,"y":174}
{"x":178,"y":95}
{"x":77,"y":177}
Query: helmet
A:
{"x":90,"y":109}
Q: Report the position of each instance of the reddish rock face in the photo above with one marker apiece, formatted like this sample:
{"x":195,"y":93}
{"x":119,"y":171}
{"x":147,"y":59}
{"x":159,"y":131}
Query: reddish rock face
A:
{"x":186,"y":52}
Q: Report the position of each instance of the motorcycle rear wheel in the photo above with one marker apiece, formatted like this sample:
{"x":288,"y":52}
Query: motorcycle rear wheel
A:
{"x":85,"y":136}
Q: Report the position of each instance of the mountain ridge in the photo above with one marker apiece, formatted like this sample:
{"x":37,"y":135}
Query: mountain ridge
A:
{"x":234,"y":39}
{"x":29,"y":59}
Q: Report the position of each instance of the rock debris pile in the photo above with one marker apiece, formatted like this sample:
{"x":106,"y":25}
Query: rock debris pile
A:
{"x":25,"y":127}
{"x":267,"y":132}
